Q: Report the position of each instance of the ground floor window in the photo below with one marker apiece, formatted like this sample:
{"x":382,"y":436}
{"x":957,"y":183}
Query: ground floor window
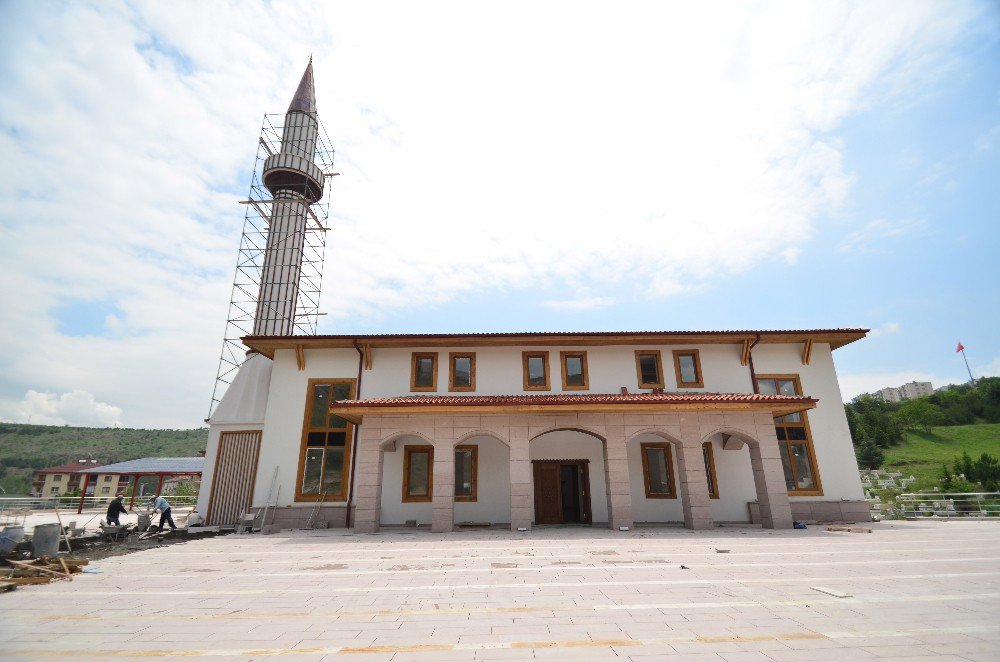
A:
{"x":418,"y":476}
{"x":326,"y":443}
{"x":794,"y":439}
{"x":105,"y":490}
{"x":713,"y":482}
{"x":658,"y":471}
{"x":466,"y":472}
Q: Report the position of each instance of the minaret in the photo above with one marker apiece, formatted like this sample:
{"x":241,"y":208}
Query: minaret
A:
{"x":295,"y":182}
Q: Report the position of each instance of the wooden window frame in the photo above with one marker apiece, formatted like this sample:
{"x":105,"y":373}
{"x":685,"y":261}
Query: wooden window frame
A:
{"x":700,"y":381}
{"x":586,"y":375}
{"x":475,"y":472}
{"x":710,"y":468}
{"x":307,"y":428}
{"x":548,"y":373}
{"x":416,"y":356}
{"x":659,"y":367}
{"x":643,"y":447}
{"x":808,"y":441}
{"x":407,"y":452}
{"x":451,"y":370}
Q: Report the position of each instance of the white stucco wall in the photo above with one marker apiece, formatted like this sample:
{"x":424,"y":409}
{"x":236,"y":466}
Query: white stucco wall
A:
{"x":838,"y":467}
{"x":572,"y":445}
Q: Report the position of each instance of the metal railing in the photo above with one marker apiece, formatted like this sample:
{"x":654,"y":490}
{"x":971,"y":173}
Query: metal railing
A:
{"x":18,"y":507}
{"x":966,"y":505}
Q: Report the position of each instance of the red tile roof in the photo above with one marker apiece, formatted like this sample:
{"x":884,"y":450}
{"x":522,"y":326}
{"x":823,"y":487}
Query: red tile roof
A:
{"x":72,"y":467}
{"x":573,"y":399}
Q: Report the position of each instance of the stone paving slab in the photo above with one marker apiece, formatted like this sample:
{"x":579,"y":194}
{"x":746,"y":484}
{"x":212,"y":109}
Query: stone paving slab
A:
{"x":910,"y":590}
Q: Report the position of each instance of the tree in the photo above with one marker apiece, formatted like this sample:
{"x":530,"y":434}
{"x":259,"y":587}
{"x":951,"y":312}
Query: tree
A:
{"x":920,"y":414}
{"x":986,"y":471}
{"x":870,"y":456}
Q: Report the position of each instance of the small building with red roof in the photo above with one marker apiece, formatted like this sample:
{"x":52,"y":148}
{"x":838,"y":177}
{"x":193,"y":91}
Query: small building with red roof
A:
{"x":57,"y":481}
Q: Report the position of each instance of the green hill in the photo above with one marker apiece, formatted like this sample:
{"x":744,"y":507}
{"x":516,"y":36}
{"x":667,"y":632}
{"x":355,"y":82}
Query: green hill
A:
{"x":922,"y":454}
{"x":25,"y":448}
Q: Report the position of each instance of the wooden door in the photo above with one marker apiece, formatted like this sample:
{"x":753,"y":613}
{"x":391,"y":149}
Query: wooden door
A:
{"x":232,"y":483}
{"x":548,"y":500}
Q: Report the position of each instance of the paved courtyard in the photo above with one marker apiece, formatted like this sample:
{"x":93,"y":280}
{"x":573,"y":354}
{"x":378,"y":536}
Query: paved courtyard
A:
{"x":910,"y":590}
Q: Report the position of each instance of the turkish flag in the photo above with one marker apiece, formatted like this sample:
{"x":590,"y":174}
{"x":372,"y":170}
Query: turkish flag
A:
{"x":959,"y":348}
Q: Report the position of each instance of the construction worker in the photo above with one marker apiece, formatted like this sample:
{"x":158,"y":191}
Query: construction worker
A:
{"x":115,"y":509}
{"x":162,"y":505}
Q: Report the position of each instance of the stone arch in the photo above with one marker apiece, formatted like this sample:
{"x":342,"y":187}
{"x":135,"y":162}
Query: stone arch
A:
{"x":481,"y":433}
{"x":384,"y":444}
{"x":572,"y":428}
{"x":731,"y":431}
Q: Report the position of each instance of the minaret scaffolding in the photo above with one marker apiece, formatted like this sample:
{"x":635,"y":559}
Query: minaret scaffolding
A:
{"x":247,"y":308}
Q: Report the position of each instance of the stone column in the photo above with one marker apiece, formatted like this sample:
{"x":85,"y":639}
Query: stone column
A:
{"x":443,"y":499}
{"x":769,"y":476}
{"x":368,"y":479}
{"x":616,"y":479}
{"x":521,"y":508}
{"x":691,"y":476}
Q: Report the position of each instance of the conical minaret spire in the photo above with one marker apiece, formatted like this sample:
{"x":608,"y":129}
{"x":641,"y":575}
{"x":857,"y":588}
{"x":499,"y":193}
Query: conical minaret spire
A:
{"x":304,"y":100}
{"x":295,"y":182}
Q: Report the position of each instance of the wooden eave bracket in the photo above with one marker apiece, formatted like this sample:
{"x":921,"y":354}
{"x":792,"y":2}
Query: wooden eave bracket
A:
{"x":807,"y":348}
{"x":745,"y":356}
{"x":366,"y":353}
{"x":300,"y":357}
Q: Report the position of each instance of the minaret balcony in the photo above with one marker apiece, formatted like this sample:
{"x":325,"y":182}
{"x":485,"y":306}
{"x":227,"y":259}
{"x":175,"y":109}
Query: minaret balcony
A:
{"x":288,"y":172}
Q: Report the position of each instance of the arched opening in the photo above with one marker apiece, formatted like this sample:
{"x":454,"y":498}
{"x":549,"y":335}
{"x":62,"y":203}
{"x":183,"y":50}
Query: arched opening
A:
{"x":568,"y":477}
{"x":654,"y":479}
{"x":482,"y":481}
{"x":727,"y":458}
{"x":407,"y":480}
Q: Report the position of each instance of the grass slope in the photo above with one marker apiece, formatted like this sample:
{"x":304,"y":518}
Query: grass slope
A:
{"x":923,"y":454}
{"x":24,"y":448}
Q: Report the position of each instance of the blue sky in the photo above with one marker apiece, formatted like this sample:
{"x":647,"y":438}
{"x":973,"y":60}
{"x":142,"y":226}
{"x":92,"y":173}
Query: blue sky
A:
{"x":775,"y":165}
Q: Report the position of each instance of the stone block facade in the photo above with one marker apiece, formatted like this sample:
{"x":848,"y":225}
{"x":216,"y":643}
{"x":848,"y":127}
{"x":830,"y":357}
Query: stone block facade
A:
{"x":685,"y":431}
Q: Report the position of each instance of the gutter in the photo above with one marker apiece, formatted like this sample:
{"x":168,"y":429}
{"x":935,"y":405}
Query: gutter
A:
{"x":753,"y":373}
{"x":354,"y":443}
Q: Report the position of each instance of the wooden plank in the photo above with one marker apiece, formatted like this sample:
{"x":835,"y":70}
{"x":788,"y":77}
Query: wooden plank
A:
{"x":22,"y":564}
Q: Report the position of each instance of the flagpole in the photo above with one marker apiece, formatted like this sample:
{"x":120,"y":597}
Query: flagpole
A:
{"x":971,"y":378}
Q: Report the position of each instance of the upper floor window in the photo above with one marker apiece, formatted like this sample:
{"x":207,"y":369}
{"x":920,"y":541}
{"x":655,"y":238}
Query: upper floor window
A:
{"x":536,"y":371}
{"x":462,"y":371}
{"x":649,"y":368}
{"x":423,"y":372}
{"x":107,"y":479}
{"x":325,"y":454}
{"x":687,"y":367}
{"x":56,"y":478}
{"x":794,"y":440}
{"x":574,"y":371}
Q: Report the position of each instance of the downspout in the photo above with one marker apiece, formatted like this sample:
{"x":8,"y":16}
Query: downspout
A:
{"x":354,"y":443}
{"x":753,"y":374}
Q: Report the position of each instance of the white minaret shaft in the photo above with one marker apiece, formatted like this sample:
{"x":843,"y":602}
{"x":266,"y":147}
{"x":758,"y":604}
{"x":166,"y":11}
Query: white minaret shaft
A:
{"x":295,"y":182}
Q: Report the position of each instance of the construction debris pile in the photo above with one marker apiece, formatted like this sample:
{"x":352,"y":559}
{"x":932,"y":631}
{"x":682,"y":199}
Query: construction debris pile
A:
{"x":40,"y":571}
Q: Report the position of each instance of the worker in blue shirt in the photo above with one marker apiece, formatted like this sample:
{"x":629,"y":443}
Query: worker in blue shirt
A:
{"x":162,"y":505}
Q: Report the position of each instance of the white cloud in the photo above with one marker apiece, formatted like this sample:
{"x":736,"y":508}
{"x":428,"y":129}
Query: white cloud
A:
{"x":588,"y":303}
{"x":873,"y":235}
{"x":886,"y":329}
{"x":645,"y":152}
{"x":73,"y":408}
{"x":987,"y":140}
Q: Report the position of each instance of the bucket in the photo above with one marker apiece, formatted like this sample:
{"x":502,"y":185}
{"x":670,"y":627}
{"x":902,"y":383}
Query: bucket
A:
{"x":9,"y":537}
{"x":45,"y":540}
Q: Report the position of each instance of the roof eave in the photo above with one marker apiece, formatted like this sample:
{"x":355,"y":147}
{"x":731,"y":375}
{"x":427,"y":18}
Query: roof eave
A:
{"x":356,"y":413}
{"x":267,"y":345}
